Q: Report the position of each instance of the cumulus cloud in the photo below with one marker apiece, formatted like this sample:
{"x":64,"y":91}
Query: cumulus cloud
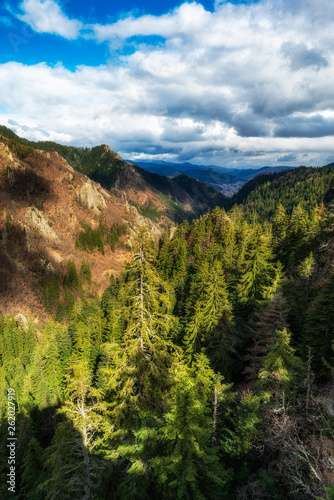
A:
{"x":245,"y":83}
{"x":46,"y":16}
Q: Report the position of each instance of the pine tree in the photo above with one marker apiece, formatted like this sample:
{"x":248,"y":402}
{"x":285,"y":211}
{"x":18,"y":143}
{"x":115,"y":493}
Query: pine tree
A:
{"x":264,"y":335}
{"x":260,"y":277}
{"x":241,"y":424}
{"x":72,"y":463}
{"x":279,"y":226}
{"x":189,"y":467}
{"x":280,"y":366}
{"x":139,"y":370}
{"x":212,"y":311}
{"x":46,"y":372}
{"x":32,"y":471}
{"x":194,"y":333}
{"x":214,"y":303}
{"x":72,"y":280}
{"x":85,"y":271}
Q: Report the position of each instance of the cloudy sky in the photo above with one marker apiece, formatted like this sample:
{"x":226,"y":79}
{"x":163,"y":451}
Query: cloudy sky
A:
{"x":231,"y":83}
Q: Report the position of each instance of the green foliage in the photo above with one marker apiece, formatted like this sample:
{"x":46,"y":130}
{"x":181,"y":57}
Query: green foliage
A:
{"x":329,"y":494}
{"x":116,"y":231}
{"x":190,"y":467}
{"x":265,"y":193}
{"x":73,"y":467}
{"x":51,"y":292}
{"x":60,"y":311}
{"x":125,"y":396}
{"x":86,"y":272}
{"x":149,"y":210}
{"x":280,"y":366}
{"x":71,"y":279}
{"x":142,"y":364}
{"x":242,"y":425}
{"x":89,"y":239}
{"x":20,"y":150}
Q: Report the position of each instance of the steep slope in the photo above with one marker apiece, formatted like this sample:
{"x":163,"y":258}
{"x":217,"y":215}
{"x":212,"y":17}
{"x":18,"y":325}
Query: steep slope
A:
{"x":153,"y":194}
{"x":305,"y":185}
{"x":44,"y":206}
{"x":51,"y":214}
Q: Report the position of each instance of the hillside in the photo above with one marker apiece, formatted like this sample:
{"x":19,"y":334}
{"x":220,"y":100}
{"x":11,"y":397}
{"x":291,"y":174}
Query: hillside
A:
{"x":207,"y":354}
{"x":204,"y":346}
{"x":45,"y":204}
{"x":304,"y":185}
{"x":106,"y":167}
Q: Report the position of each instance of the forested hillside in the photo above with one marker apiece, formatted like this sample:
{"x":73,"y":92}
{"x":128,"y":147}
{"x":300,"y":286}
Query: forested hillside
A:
{"x":52,"y":215}
{"x":304,"y":185}
{"x":205,"y":371}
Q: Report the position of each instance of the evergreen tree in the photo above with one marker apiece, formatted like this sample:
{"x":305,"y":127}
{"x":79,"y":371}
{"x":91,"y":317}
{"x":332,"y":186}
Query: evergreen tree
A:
{"x":73,"y":466}
{"x":280,"y":366}
{"x":190,"y":467}
{"x":320,"y":329}
{"x":32,"y":471}
{"x":264,"y":335}
{"x":138,"y":371}
{"x":260,"y":276}
{"x":85,"y":271}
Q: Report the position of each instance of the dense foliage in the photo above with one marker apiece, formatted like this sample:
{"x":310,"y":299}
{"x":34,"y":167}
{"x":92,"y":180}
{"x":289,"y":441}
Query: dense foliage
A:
{"x":307,"y":186}
{"x":204,"y":372}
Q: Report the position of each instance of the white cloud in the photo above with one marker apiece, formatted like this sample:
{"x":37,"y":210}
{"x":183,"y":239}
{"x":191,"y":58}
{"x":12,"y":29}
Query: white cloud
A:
{"x":46,"y":16}
{"x":246,"y":83}
{"x":188,"y":18}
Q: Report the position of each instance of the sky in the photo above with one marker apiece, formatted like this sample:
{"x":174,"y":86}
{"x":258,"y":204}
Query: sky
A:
{"x":229,"y":83}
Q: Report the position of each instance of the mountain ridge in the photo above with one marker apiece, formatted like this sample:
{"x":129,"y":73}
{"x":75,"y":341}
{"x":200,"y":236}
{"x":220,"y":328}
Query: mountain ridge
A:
{"x":46,"y":205}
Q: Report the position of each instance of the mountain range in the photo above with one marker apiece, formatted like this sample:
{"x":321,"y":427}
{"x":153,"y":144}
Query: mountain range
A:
{"x":227,"y":180}
{"x":51,"y":194}
{"x":60,"y":203}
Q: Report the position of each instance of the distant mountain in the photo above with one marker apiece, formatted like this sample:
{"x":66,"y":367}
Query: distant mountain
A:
{"x":227,"y":180}
{"x":250,"y":173}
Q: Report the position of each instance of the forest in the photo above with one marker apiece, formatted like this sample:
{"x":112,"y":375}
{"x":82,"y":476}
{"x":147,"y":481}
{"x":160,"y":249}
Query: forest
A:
{"x":205,"y":371}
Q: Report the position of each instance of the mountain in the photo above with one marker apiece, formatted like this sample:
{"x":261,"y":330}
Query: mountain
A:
{"x":305,"y":186}
{"x":196,"y":365}
{"x":227,"y":180}
{"x":47,"y":205}
{"x":106,"y":167}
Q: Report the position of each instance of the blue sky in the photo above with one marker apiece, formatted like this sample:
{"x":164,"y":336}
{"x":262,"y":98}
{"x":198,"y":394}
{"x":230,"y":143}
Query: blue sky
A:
{"x":216,"y":82}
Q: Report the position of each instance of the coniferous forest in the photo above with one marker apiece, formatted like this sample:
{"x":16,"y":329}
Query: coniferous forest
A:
{"x":205,"y":371}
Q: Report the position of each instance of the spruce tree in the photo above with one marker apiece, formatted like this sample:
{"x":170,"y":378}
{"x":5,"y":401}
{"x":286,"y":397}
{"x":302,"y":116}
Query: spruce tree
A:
{"x":264,"y":334}
{"x":139,"y":369}
{"x":73,"y":465}
{"x":280,"y":367}
{"x":319,"y":332}
{"x":190,"y":467}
